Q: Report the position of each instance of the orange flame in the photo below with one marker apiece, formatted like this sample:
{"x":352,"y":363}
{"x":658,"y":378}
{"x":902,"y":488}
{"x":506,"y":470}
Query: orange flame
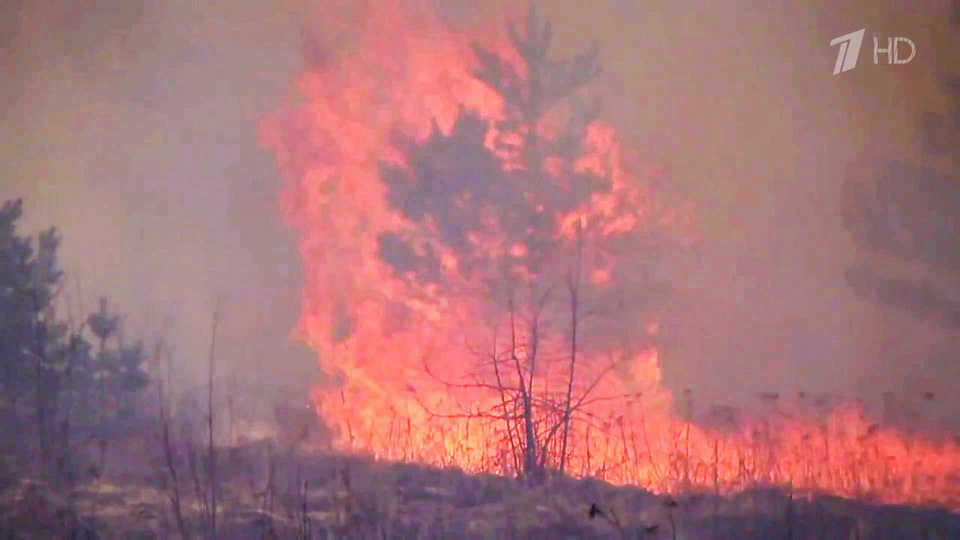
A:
{"x":403,"y":348}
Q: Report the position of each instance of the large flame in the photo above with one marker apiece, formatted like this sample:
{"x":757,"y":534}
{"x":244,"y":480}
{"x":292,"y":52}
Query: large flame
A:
{"x":415,"y":347}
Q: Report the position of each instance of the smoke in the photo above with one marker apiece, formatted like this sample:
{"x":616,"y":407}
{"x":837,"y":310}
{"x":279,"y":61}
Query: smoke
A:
{"x":763,"y":137}
{"x":132,"y":127}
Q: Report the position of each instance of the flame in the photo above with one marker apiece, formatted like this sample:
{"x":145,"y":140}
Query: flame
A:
{"x":407,"y":349}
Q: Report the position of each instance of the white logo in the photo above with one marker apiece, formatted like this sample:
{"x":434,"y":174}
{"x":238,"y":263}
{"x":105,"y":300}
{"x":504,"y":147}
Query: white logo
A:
{"x":850,"y":50}
{"x":894,"y":57}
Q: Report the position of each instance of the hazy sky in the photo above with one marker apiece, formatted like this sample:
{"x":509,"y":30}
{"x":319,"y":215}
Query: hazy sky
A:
{"x":131,"y":126}
{"x":133,"y":130}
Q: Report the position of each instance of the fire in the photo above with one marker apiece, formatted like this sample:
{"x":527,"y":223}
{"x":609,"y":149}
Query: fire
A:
{"x":413,"y":290}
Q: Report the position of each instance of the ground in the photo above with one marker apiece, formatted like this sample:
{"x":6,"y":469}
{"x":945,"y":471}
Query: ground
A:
{"x":359,"y":497}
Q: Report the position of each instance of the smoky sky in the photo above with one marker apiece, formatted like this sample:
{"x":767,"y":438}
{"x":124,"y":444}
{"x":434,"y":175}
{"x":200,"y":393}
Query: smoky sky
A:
{"x":131,"y":126}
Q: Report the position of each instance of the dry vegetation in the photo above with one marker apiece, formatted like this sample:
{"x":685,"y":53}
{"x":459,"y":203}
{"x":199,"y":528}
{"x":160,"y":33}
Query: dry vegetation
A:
{"x":268,"y":491}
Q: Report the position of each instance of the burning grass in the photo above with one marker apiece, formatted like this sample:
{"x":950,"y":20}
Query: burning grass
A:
{"x":483,"y":275}
{"x":319,"y":495}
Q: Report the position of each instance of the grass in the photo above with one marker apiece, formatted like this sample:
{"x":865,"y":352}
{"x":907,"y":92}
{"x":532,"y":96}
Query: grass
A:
{"x":340,"y":496}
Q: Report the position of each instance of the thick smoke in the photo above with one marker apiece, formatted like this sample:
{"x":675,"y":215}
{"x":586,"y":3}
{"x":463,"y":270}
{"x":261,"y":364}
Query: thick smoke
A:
{"x":131,"y":126}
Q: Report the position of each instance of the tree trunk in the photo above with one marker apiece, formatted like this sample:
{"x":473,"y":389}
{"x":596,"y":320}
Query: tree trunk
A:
{"x":574,"y":306}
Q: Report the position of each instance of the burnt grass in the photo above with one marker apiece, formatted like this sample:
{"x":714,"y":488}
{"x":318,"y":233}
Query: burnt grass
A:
{"x":342,"y":496}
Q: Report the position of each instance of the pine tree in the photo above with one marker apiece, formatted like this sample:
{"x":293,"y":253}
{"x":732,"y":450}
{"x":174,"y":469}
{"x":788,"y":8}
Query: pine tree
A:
{"x":455,"y":189}
{"x":29,"y":335}
{"x":55,"y":391}
{"x":909,"y":215}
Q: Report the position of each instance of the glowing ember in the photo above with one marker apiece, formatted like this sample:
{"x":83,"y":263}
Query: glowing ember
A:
{"x":439,"y":278}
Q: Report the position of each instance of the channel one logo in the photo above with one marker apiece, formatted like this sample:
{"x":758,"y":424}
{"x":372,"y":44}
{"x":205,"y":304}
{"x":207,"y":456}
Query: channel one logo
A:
{"x":849,"y":51}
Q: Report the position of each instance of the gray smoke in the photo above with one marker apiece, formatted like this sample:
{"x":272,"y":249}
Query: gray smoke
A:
{"x":132,"y":127}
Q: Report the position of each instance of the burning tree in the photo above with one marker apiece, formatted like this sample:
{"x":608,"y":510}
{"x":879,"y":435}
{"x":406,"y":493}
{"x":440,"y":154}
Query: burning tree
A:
{"x":521,"y":206}
{"x":495,"y":256}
